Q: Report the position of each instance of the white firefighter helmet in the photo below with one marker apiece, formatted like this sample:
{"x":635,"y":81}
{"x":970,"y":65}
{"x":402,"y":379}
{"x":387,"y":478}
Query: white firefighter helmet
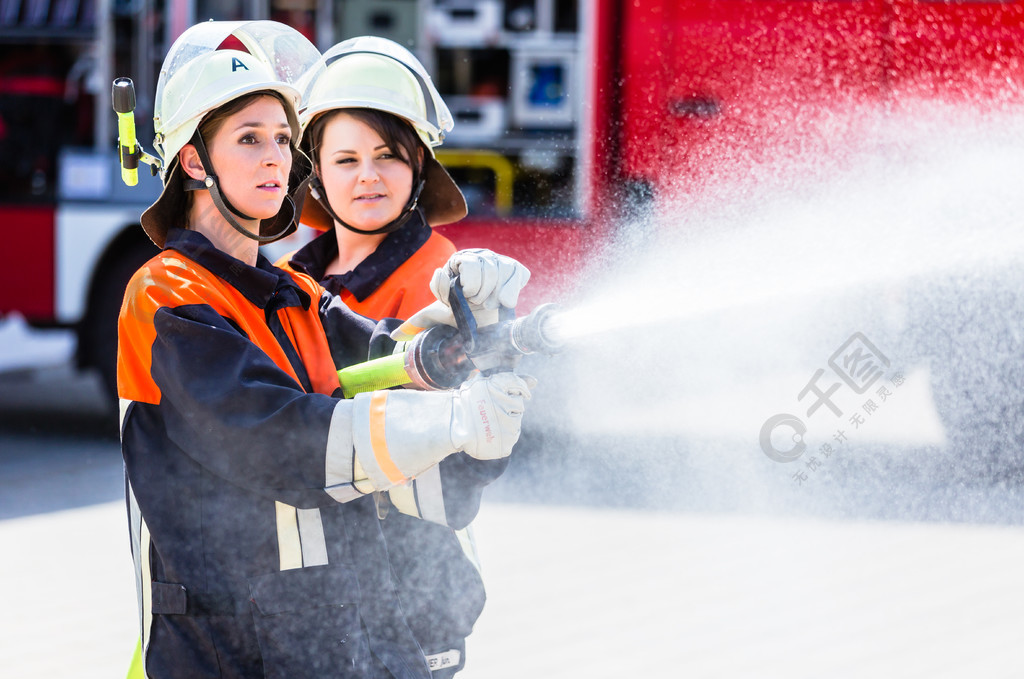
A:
{"x":377,"y":73}
{"x":369,"y":72}
{"x":209,"y":65}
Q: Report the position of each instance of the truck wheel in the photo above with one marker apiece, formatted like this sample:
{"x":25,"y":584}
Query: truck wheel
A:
{"x":98,"y":335}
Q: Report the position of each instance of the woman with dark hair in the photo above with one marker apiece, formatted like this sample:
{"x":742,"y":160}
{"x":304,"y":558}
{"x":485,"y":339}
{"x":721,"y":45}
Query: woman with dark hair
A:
{"x":371,"y":120}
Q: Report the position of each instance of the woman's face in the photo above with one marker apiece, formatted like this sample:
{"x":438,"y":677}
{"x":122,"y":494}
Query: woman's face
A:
{"x":251,"y":155}
{"x":367,"y":183}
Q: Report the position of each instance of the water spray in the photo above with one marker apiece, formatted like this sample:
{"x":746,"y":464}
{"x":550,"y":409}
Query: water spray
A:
{"x":443,"y":357}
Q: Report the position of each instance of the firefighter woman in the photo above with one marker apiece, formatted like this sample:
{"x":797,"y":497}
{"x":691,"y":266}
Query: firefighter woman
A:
{"x":371,"y":120}
{"x":256,"y":540}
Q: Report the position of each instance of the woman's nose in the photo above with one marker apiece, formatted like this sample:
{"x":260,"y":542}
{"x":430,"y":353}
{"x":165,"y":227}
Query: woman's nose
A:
{"x":277,"y":154}
{"x":368,"y":172}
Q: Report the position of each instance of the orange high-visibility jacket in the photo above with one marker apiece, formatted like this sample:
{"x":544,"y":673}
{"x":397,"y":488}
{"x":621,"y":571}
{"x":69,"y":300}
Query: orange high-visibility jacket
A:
{"x":393,"y":282}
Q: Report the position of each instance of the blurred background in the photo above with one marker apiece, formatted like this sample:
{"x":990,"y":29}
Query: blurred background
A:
{"x":784,"y":435}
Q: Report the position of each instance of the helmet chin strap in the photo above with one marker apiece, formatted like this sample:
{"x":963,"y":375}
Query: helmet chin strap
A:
{"x":226,"y":209}
{"x":316,"y":188}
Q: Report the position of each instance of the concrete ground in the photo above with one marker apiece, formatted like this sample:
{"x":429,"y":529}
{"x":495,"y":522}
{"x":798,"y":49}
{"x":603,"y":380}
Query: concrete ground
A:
{"x":610,"y":593}
{"x":924,"y":581}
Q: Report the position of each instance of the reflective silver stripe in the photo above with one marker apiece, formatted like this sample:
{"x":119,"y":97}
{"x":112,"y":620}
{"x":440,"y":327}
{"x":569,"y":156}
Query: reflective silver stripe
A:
{"x":300,"y":537}
{"x":135,"y":529}
{"x":147,"y":592}
{"x":123,"y":406}
{"x":143,"y":569}
{"x":311,"y":532}
{"x":140,"y":541}
{"x":289,"y":544}
{"x":403,"y":498}
{"x":340,"y":457}
{"x":429,"y":496}
{"x":468,"y":544}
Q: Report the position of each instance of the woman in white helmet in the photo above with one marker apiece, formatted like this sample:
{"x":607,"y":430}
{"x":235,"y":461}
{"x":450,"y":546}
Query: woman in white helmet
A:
{"x":371,"y":119}
{"x":255,"y":536}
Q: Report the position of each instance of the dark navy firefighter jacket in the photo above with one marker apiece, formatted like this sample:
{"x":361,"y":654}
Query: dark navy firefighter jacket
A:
{"x":256,"y":554}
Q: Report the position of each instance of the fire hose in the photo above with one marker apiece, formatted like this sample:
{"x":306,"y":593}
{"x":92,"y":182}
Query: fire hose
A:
{"x":443,"y":357}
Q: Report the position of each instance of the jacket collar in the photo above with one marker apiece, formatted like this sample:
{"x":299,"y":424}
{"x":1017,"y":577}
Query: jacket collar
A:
{"x":259,"y":284}
{"x":314,"y":258}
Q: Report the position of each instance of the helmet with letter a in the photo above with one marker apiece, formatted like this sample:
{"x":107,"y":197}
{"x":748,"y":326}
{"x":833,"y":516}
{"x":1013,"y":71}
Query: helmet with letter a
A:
{"x":208,"y":66}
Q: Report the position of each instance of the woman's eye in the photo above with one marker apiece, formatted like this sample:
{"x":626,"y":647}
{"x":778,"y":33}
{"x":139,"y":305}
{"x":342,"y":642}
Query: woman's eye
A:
{"x":248,"y":139}
{"x":284,"y":139}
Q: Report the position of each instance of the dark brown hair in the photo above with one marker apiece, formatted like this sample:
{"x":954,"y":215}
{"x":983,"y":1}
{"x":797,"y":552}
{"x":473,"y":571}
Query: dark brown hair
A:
{"x":399,"y":135}
{"x":214,"y":120}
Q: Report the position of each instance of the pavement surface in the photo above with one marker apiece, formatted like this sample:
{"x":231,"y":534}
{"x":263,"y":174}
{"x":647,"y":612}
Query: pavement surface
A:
{"x":924,"y":582}
{"x":610,"y":593}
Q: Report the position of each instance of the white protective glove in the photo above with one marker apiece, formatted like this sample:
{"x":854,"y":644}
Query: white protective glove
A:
{"x":399,"y":434}
{"x":488,"y":415}
{"x":489,"y":281}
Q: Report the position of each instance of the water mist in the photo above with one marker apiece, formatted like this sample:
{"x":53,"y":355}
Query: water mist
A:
{"x":716,"y":312}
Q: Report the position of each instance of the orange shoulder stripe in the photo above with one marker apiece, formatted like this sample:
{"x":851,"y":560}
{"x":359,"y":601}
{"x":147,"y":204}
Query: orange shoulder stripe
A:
{"x":169,"y":280}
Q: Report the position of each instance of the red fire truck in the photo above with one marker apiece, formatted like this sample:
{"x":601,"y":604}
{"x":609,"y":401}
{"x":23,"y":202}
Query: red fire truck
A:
{"x":569,"y":115}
